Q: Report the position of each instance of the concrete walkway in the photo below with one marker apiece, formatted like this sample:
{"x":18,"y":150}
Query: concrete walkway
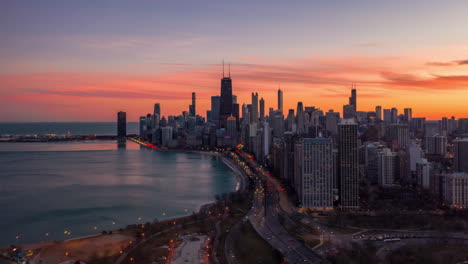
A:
{"x":190,"y":251}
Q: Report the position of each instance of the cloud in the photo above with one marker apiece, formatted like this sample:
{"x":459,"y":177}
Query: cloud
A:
{"x":450,"y":63}
{"x":462,"y":62}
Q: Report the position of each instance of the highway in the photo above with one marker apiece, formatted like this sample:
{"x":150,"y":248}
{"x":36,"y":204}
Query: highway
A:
{"x":264,"y":217}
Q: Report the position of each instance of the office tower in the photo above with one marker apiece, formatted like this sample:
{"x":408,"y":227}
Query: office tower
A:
{"x":215,"y":110}
{"x":192,"y":108}
{"x":348,"y":163}
{"x":332,"y":119}
{"x":245,"y":113}
{"x":280,"y":100}
{"x":290,"y":121}
{"x":300,"y":119}
{"x":408,"y":115}
{"x":121,"y":124}
{"x":318,"y":173}
{"x":460,"y":155}
{"x":348,"y":111}
{"x":353,"y":98}
{"x":436,"y":145}
{"x":234,"y":99}
{"x":387,"y":116}
{"x":278,"y":124}
{"x":394,"y":116}
{"x":431,"y":128}
{"x":225,"y":100}
{"x":378,"y":112}
{"x":142,"y":126}
{"x":157,"y":109}
{"x":397,"y":135}
{"x":254,"y":113}
{"x":154,"y":121}
{"x":166,"y":135}
{"x":262,"y":109}
{"x":231,"y":127}
{"x":454,"y":189}
{"x":387,"y":164}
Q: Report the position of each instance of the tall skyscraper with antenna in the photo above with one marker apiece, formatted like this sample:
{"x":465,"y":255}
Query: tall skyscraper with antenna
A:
{"x":225,"y":109}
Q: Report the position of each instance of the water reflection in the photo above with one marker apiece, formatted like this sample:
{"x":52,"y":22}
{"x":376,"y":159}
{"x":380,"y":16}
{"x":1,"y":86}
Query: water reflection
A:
{"x":73,"y":186}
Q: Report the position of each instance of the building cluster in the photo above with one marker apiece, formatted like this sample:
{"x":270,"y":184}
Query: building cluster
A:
{"x":324,"y":156}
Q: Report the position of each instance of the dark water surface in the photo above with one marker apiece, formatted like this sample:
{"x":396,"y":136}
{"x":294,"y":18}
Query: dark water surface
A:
{"x":76,"y":186}
{"x":60,"y":128}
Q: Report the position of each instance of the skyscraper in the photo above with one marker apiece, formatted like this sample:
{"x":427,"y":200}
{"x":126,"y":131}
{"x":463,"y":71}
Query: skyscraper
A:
{"x":254,"y":113}
{"x":353,"y":98}
{"x":378,"y":112}
{"x":215,"y":110}
{"x":318,"y":173}
{"x":398,"y":134}
{"x":387,"y":116}
{"x":460,"y":157}
{"x":348,"y":163}
{"x":349,"y":110}
{"x":157,"y":109}
{"x":332,"y":119}
{"x":436,"y":145}
{"x":394,"y":117}
{"x":192,"y":108}
{"x":142,"y":126}
{"x":225,"y":100}
{"x":387,"y":165}
{"x":262,"y":109}
{"x":121,"y":124}
{"x":300,"y":119}
{"x":280,"y":100}
{"x":408,"y":115}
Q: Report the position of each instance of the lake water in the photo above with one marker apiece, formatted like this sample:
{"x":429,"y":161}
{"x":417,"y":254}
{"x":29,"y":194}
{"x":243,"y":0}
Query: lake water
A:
{"x":60,"y":128}
{"x":87,"y":187}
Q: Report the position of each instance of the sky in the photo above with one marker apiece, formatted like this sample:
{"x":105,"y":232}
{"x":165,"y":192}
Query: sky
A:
{"x":87,"y":60}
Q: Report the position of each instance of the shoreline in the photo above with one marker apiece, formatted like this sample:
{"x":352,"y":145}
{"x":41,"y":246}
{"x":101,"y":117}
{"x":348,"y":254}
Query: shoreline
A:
{"x":240,"y":186}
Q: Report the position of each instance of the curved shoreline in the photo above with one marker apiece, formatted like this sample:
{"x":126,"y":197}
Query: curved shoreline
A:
{"x":241,"y":184}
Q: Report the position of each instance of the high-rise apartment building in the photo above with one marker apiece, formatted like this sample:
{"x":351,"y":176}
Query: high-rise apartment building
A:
{"x":348,"y":163}
{"x":318,"y":173}
{"x":460,"y":155}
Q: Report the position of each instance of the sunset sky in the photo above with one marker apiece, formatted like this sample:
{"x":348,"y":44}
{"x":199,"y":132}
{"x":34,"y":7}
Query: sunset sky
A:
{"x":86,"y":60}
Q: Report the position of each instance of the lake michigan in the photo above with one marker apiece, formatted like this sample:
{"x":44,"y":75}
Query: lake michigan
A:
{"x":90,"y":186}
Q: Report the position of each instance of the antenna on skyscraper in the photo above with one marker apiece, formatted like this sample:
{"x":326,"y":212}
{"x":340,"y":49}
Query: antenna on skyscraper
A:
{"x":229,"y":69}
{"x":223,"y":68}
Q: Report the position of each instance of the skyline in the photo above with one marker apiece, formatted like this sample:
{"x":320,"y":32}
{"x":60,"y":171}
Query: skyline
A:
{"x":122,"y":57}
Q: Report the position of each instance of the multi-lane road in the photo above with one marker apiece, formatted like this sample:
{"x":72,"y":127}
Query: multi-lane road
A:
{"x":264,"y":217}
